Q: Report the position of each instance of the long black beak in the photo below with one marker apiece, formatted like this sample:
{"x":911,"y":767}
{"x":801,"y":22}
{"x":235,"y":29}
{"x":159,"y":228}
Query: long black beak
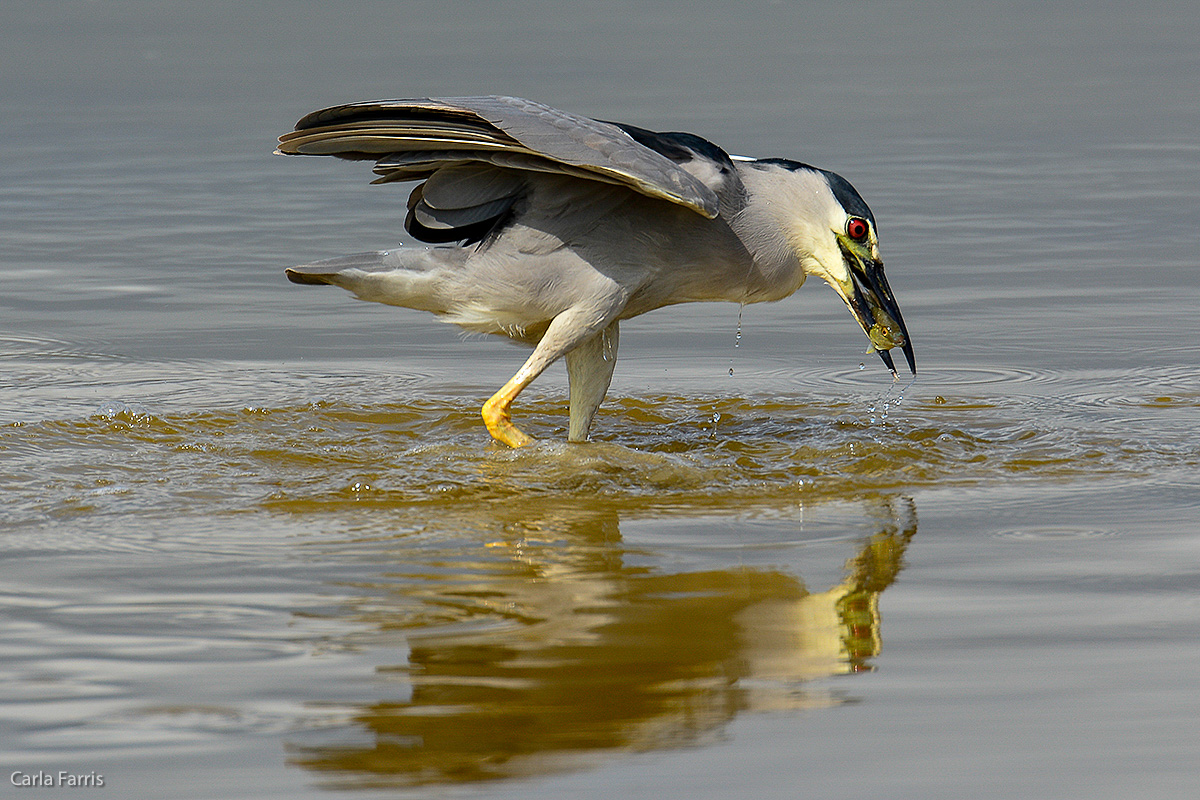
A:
{"x":875,"y":308}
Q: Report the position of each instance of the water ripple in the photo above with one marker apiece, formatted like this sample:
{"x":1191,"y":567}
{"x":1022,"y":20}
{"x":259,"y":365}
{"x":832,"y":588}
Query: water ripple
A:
{"x":20,"y":347}
{"x":949,"y":377}
{"x":1053,"y":533}
{"x":649,"y":452}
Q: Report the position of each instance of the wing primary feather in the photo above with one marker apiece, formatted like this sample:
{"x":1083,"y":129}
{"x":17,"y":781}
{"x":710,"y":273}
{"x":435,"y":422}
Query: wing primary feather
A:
{"x":504,"y":131}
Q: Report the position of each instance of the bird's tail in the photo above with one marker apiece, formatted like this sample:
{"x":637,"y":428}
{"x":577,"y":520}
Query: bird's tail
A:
{"x":414,"y":277}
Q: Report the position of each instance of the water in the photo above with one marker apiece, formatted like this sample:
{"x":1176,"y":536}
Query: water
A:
{"x":256,"y":542}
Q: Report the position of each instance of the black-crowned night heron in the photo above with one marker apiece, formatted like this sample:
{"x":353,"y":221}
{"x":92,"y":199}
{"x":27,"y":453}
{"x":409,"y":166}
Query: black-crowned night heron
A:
{"x":565,"y":225}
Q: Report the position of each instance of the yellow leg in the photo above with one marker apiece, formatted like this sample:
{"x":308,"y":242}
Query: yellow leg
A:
{"x":496,"y":413}
{"x":565,"y":332}
{"x":498,"y":419}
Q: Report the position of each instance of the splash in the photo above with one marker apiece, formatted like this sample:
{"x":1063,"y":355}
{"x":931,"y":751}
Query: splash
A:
{"x":880,"y":409}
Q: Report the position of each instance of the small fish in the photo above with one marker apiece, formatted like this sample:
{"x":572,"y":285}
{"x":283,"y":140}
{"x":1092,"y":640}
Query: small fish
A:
{"x":885,"y":333}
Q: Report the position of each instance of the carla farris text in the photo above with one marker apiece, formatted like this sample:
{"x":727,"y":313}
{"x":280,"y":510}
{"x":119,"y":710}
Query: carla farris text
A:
{"x":41,"y":778}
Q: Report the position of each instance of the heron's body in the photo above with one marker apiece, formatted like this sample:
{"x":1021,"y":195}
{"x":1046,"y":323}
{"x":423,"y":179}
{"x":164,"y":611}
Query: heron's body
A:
{"x":566,"y":225}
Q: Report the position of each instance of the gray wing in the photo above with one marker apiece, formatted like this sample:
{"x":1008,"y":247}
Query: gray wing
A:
{"x":469,"y":147}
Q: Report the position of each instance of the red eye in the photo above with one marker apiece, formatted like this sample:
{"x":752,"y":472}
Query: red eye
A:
{"x":857,"y":229}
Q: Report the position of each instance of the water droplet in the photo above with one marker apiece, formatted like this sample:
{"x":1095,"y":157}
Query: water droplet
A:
{"x":737,"y":337}
{"x":862,"y":365}
{"x":110,"y":410}
{"x":716,"y":417}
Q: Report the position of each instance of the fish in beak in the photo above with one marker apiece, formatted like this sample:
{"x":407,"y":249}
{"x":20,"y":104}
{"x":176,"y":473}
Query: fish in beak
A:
{"x":871,"y":302}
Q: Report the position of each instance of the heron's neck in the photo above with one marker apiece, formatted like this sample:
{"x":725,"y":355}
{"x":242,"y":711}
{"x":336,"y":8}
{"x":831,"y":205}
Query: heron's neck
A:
{"x":776,"y":269}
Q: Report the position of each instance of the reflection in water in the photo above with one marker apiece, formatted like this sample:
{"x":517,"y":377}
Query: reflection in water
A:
{"x":587,"y":652}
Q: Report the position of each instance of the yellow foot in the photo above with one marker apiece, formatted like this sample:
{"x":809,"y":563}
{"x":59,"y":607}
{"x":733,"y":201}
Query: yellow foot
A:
{"x":499,"y":425}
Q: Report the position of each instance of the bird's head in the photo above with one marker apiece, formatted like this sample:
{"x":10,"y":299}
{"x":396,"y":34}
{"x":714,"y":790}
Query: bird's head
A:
{"x":831,"y":230}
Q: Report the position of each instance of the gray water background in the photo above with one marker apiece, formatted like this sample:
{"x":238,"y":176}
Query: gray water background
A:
{"x":234,"y":508}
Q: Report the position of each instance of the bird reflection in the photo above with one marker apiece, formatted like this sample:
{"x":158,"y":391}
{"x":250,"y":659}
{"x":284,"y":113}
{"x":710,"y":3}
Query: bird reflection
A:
{"x":593,"y":654}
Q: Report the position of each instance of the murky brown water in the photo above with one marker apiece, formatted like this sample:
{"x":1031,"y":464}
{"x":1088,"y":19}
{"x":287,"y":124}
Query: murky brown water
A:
{"x":255,"y":541}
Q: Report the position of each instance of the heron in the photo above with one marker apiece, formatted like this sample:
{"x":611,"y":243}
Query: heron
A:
{"x":549,"y":228}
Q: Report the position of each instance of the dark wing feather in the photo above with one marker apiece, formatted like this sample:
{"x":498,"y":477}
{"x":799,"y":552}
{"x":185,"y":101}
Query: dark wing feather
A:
{"x":462,"y":202}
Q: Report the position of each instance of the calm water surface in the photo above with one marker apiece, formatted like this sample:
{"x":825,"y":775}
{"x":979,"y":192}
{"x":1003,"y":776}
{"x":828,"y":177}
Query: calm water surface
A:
{"x":255,"y":541}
